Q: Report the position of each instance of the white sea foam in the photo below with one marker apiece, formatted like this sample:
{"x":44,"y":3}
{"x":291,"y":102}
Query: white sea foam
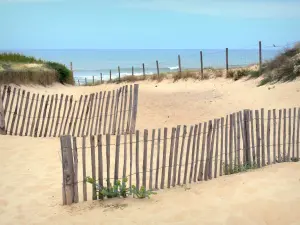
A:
{"x":173,"y":68}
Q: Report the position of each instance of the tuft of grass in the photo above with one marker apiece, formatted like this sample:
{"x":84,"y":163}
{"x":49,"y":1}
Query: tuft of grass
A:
{"x":265,"y":81}
{"x":47,"y":73}
{"x":254,"y":74}
{"x":230,"y":74}
{"x":238,"y":168}
{"x":184,"y":75}
{"x":159,"y":77}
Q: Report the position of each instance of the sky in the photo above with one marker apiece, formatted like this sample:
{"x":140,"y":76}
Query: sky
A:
{"x":147,"y":24}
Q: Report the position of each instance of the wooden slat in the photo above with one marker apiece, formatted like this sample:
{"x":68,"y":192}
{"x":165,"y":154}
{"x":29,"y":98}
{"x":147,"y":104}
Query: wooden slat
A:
{"x":217,"y":149}
{"x":162,"y":184}
{"x":134,"y":107}
{"x":290,"y":134}
{"x":230,"y":142}
{"x":24,"y":113}
{"x":253,"y":147}
{"x":197,"y":153}
{"x":247,"y":136}
{"x":212,"y":149}
{"x":200,"y":173}
{"x":145,"y":157}
{"x":171,"y":157}
{"x":116,"y":111}
{"x":176,"y":155}
{"x":263,"y":157}
{"x":7,"y":99}
{"x":98,"y":112}
{"x":298,"y":134}
{"x":63,"y":116}
{"x":279,"y":159}
{"x":124,"y":109}
{"x":157,"y":159}
{"x":49,"y":116}
{"x":151,"y":158}
{"x":72,"y":118}
{"x":106,"y":112}
{"x":93,"y":162}
{"x":137,"y":169}
{"x":68,"y":114}
{"x":10,"y":109}
{"x":108,"y":159}
{"x":75,"y":156}
{"x":268,"y":137}
{"x":130,"y":160}
{"x":193,"y":153}
{"x":84,"y":168}
{"x":294,"y":128}
{"x":81,"y":115}
{"x":44,"y":115}
{"x":125,"y":157}
{"x":15,"y":113}
{"x":100,"y":163}
{"x":234,"y":127}
{"x":54,"y":113}
{"x":111,"y":112}
{"x":34,"y":115}
{"x":222,"y":142}
{"x":94,"y":112}
{"x":117,"y":157}
{"x":129,"y":110}
{"x":181,"y":155}
{"x":77,"y":116}
{"x":121,"y":110}
{"x":101,"y":113}
{"x":29,"y":114}
{"x":208,"y":142}
{"x":257,"y":138}
{"x":90,"y":115}
{"x":274,"y":136}
{"x":187,"y":155}
{"x":86,"y":115}
{"x":4,"y":92}
{"x":284,"y":136}
{"x":226,"y":146}
{"x":238,"y":141}
{"x":58,"y":115}
{"x":39,"y":117}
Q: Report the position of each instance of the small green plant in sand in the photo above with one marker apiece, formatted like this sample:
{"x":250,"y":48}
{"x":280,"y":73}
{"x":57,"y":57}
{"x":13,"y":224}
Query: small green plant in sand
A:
{"x":119,"y":189}
{"x":236,"y":168}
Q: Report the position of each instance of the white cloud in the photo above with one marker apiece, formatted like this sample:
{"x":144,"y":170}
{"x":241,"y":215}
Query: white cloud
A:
{"x":230,"y":8}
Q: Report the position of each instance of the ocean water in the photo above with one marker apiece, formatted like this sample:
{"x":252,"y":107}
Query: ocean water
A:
{"x":89,"y":63}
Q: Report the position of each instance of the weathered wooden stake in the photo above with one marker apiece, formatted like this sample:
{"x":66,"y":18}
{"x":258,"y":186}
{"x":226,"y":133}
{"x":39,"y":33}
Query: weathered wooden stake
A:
{"x":144,"y":70}
{"x":157,"y":67}
{"x":226,"y":62}
{"x":260,"y":58}
{"x":119,"y":71}
{"x":179,"y":64}
{"x":2,"y":118}
{"x":201,"y":63}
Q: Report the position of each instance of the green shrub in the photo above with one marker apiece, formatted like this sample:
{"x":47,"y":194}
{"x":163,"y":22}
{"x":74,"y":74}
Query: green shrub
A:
{"x":230,"y":74}
{"x":64,"y":74}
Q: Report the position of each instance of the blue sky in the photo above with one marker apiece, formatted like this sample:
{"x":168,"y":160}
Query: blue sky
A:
{"x":147,"y":24}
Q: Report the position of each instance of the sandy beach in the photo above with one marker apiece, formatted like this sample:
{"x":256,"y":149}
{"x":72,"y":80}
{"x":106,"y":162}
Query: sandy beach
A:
{"x":30,"y":168}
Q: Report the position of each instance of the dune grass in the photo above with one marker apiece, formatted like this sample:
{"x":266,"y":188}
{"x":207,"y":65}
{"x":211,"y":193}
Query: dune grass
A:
{"x":13,"y":70}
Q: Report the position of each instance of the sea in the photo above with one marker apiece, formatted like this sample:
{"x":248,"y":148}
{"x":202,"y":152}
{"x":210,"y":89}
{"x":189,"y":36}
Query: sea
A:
{"x":88,"y":62}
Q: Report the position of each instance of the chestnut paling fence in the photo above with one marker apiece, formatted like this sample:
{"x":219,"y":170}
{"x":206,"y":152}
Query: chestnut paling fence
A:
{"x":106,"y":112}
{"x":166,"y":158}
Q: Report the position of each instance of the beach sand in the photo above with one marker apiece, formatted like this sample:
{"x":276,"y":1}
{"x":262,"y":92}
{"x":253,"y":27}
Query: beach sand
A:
{"x":30,"y":168}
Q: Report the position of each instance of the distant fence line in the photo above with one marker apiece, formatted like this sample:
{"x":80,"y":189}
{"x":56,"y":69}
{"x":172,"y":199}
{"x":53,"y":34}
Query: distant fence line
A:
{"x":241,"y":141}
{"x":99,"y":79}
{"x":106,"y":112}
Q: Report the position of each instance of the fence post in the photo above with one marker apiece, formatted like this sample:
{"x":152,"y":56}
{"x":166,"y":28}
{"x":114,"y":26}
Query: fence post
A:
{"x":226,"y":62}
{"x":260,"y":58}
{"x":71,"y":66}
{"x":134,"y":108}
{"x":157,"y":67}
{"x":67,"y":169}
{"x":132,"y":71}
{"x":2,"y":117}
{"x":78,"y":83}
{"x":119,"y":73}
{"x":110,"y":75}
{"x":85,"y":81}
{"x":93,"y":80}
{"x":247,"y":136}
{"x":100,"y":78}
{"x":144,"y":70}
{"x":179,"y":64}
{"x":201,"y":62}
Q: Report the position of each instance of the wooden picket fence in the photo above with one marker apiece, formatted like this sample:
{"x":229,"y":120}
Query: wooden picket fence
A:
{"x":106,"y":112}
{"x":240,"y":141}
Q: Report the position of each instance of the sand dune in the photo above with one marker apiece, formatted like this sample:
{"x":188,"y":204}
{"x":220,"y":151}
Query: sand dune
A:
{"x":30,"y":188}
